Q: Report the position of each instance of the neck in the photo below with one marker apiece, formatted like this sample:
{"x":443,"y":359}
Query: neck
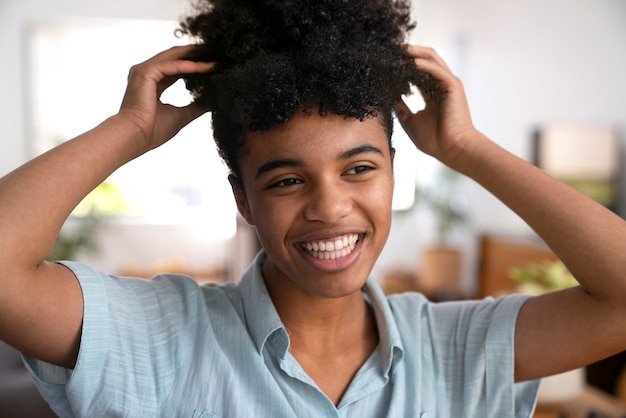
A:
{"x":330,"y":326}
{"x":330,"y":338}
{"x":323,"y":325}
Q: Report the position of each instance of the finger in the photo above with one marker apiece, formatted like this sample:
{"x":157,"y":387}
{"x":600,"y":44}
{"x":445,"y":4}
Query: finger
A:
{"x":403,"y":113}
{"x":176,"y":118}
{"x":172,"y":61}
{"x":162,"y":69}
{"x":433,"y":68}
{"x":170,"y":72}
{"x":163,"y":74}
{"x":425,"y":53}
{"x":193,"y":111}
{"x":173,"y":53}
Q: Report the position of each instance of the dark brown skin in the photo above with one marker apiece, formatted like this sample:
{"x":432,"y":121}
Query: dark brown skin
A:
{"x":41,"y":304}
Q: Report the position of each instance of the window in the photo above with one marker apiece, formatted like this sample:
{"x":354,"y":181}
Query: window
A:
{"x":78,"y":72}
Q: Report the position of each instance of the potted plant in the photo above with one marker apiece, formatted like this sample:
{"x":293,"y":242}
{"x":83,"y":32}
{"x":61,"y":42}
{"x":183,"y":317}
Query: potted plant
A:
{"x":79,"y":233}
{"x":440,"y":267}
{"x":542,"y":277}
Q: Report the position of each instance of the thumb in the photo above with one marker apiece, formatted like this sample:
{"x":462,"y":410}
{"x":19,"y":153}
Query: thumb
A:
{"x":193,"y":111}
{"x":184,"y":115}
{"x":174,"y":119}
{"x":402,"y":112}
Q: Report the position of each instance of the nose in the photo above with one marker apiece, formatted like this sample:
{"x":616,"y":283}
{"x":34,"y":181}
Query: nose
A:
{"x":327,"y":202}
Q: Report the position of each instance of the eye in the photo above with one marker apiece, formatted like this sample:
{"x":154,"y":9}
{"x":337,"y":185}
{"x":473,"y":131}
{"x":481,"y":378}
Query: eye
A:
{"x":359,"y":169}
{"x":285,"y":183}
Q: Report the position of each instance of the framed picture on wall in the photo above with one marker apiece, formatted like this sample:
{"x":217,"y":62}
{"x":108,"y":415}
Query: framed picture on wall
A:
{"x":587,"y":157}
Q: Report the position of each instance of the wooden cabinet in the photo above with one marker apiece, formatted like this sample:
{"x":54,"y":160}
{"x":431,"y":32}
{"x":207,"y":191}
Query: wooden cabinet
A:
{"x":500,"y":254}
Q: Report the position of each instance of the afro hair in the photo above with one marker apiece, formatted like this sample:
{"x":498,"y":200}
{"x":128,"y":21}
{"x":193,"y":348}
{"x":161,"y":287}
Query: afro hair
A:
{"x":276,"y":57}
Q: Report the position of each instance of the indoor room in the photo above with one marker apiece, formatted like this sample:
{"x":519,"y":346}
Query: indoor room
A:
{"x":543,"y":79}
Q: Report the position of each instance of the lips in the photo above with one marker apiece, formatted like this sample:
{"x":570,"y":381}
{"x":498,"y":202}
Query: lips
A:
{"x":331,"y":249}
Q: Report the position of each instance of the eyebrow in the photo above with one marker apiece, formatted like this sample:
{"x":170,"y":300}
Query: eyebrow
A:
{"x":282,"y":163}
{"x":361,"y":149}
{"x":274,"y":164}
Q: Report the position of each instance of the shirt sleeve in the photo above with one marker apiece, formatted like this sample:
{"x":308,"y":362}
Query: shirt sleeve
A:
{"x":138,"y":331}
{"x":473,"y":345}
{"x":461,"y":356}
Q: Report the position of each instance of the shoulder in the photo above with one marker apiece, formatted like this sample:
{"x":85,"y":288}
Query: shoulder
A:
{"x":411,"y":303}
{"x":164,"y":285}
{"x":159,"y":305}
{"x":467,"y":347}
{"x":136,"y":327}
{"x":414,"y":313}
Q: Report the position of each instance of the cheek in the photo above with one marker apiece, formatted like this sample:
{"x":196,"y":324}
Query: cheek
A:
{"x":378,"y":200}
{"x":272,"y":221}
{"x":382,"y":193}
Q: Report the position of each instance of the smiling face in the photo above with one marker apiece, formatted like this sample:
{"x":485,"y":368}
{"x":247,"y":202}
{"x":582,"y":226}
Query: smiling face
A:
{"x":318,"y":190}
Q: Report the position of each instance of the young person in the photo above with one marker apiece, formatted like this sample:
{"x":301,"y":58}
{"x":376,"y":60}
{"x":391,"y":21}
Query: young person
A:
{"x":301,"y":96}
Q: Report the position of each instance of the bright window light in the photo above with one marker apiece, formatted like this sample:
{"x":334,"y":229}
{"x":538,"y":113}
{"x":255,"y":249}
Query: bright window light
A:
{"x":78,"y":73}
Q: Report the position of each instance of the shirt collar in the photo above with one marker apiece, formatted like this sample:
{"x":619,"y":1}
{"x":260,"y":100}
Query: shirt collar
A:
{"x":260,"y":314}
{"x":390,"y":343}
{"x":263,"y":320}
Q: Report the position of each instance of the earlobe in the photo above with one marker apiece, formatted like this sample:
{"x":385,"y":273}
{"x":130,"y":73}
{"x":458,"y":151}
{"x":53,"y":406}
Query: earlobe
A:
{"x":240,"y":198}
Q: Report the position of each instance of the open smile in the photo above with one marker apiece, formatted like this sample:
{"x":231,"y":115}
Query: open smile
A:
{"x":331,"y":249}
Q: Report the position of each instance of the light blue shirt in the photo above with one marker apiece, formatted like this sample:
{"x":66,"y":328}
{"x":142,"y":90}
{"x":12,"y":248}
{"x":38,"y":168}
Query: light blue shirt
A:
{"x":169,"y":348}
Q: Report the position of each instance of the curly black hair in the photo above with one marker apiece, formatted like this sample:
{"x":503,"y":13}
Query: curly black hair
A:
{"x":276,"y":57}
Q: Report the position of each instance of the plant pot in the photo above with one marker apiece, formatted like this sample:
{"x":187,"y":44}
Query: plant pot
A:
{"x":440,"y":271}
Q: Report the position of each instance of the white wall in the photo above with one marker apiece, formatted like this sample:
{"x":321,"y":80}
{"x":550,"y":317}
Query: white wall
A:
{"x":524,"y":62}
{"x":532,"y":62}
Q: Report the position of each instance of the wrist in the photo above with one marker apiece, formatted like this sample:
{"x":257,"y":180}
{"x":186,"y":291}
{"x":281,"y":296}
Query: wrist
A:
{"x":467,"y":151}
{"x":130,"y":139}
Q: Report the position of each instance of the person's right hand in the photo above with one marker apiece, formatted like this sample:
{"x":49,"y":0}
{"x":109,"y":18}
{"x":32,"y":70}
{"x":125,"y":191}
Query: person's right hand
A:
{"x":37,"y":198}
{"x":155,"y":121}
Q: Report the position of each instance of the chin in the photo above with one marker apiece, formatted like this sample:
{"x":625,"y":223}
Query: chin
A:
{"x":335,"y":286}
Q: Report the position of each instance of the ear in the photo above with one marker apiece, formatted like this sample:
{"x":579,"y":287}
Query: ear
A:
{"x":240,"y":198}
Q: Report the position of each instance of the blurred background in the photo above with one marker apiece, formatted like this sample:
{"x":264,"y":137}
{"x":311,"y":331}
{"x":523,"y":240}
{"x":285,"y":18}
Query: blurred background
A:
{"x":529,"y":67}
{"x":544,"y":80}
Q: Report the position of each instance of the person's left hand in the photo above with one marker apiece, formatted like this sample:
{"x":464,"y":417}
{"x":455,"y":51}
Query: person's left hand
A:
{"x":444,"y":127}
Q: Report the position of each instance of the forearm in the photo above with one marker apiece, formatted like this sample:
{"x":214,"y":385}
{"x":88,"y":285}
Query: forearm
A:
{"x":587,"y":237}
{"x":581,"y":325}
{"x":37,"y":198}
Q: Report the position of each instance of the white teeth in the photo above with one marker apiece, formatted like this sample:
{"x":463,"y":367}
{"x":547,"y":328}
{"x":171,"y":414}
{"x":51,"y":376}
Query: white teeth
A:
{"x":331,"y":249}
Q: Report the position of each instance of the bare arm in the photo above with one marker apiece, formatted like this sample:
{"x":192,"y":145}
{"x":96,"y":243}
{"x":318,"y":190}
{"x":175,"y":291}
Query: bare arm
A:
{"x":562,"y":330}
{"x":41,"y":303}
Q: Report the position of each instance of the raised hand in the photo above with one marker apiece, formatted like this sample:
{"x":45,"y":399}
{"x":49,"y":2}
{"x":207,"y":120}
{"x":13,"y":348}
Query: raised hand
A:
{"x":587,"y":237}
{"x":158,"y":122}
{"x":37,"y":198}
{"x":444,"y":126}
